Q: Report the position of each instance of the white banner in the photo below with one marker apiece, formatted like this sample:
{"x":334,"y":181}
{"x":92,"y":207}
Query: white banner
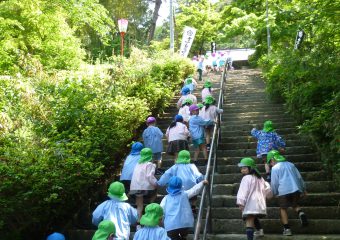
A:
{"x":188,"y":38}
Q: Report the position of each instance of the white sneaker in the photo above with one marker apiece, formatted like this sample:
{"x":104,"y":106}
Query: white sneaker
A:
{"x":138,"y":227}
{"x":287,"y":232}
{"x":259,"y":233}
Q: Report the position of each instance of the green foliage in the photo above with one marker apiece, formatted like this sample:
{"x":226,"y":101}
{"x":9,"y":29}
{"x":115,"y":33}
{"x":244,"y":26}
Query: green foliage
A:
{"x":62,"y":135}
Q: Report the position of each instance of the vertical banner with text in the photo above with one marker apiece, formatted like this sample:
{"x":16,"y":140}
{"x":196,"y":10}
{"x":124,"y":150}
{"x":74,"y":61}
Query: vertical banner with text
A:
{"x":188,"y":38}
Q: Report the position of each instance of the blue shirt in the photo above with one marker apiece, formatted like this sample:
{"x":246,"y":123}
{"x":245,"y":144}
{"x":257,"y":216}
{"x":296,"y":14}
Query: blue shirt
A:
{"x":151,"y":233}
{"x":196,"y":126}
{"x":286,"y":179}
{"x":267,"y":141}
{"x":152,"y":137}
{"x":177,"y":208}
{"x":129,"y":165}
{"x":120,"y":213}
{"x":189,"y":174}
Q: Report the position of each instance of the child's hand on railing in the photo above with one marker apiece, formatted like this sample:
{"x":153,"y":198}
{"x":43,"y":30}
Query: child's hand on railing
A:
{"x":205,"y":182}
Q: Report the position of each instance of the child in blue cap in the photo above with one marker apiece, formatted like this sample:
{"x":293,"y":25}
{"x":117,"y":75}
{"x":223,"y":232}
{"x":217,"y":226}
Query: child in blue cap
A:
{"x":56,"y":236}
{"x":130,"y":164}
{"x":267,"y":139}
{"x":152,"y":137}
{"x":117,"y":211}
{"x":178,"y":216}
{"x":186,"y":171}
{"x":177,"y":135}
{"x":150,"y":221}
{"x":186,"y":94}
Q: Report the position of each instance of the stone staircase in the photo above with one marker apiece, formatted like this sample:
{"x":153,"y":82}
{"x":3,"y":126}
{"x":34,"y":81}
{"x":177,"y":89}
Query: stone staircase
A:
{"x":246,"y":104}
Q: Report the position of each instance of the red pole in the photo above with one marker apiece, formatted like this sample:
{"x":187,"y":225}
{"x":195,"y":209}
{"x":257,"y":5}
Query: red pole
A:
{"x":122,"y":43}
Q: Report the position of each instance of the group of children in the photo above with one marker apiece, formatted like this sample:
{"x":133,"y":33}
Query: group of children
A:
{"x":183,"y":180}
{"x":283,"y":181}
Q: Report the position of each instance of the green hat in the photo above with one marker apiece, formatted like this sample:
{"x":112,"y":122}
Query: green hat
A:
{"x":248,"y":162}
{"x":188,"y":80}
{"x":268,"y":126}
{"x":200,"y":105}
{"x":207,"y":84}
{"x":274,"y":154}
{"x":105,"y":229}
{"x":117,"y":191}
{"x":188,"y":100}
{"x":145,"y":155}
{"x":209,"y":100}
{"x":152,"y":216}
{"x":183,"y":157}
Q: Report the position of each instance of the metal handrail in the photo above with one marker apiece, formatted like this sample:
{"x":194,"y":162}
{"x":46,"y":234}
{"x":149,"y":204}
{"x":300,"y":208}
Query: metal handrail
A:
{"x":211,"y":161}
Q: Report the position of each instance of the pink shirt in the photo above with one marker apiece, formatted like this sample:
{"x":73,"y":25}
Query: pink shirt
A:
{"x":143,"y":177}
{"x":179,"y":132}
{"x":181,"y":100}
{"x":252,"y":195}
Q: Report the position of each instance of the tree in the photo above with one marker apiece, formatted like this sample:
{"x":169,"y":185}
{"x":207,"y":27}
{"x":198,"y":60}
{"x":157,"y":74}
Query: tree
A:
{"x":154,"y":20}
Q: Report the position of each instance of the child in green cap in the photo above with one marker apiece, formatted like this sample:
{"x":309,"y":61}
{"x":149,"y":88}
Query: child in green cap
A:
{"x":150,"y":221}
{"x":144,"y":182}
{"x":116,"y":210}
{"x":288,"y":185}
{"x":267,"y":139}
{"x":106,"y":231}
{"x":251,"y":197}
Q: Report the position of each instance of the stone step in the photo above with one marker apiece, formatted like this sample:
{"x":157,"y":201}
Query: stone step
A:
{"x":318,"y":226}
{"x":313,"y":199}
{"x":302,"y":166}
{"x":294,"y":158}
{"x":252,"y":144}
{"x":312,"y":187}
{"x":235,"y":132}
{"x":259,"y":116}
{"x":235,"y":178}
{"x":315,"y":212}
{"x":249,"y":138}
{"x":278,"y":236}
{"x":248,"y":127}
{"x":252,"y":152}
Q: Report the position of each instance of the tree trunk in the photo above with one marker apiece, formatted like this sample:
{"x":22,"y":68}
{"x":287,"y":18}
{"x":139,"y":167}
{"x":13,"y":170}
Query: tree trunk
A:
{"x":154,"y":20}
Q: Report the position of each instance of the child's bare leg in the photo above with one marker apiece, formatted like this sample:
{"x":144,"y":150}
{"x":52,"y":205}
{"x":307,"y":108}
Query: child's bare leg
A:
{"x":203,"y":148}
{"x":250,"y":227}
{"x":267,"y":167}
{"x":207,"y":135}
{"x":284,"y":216}
{"x":140,"y":205}
{"x":197,"y":151}
{"x":175,"y":157}
{"x":159,"y":163}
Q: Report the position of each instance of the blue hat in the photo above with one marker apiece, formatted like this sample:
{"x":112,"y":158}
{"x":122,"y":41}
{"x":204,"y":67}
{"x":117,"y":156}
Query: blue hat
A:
{"x":136,"y":148}
{"x":185,"y":90}
{"x":174,"y":185}
{"x":179,"y":118}
{"x":56,"y":236}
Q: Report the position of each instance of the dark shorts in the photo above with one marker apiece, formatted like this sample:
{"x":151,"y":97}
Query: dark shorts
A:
{"x":143,"y":193}
{"x":289,"y":200}
{"x":177,"y":234}
{"x":176,"y":146}
{"x":157,"y":156}
{"x":209,"y":127}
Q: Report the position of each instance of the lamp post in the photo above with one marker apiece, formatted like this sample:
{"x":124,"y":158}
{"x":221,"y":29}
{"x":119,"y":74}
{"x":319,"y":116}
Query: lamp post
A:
{"x":268,"y":31}
{"x":122,"y":25}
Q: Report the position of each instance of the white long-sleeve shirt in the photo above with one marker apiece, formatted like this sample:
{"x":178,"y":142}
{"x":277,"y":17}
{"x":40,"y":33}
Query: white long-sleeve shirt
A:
{"x":178,"y":132}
